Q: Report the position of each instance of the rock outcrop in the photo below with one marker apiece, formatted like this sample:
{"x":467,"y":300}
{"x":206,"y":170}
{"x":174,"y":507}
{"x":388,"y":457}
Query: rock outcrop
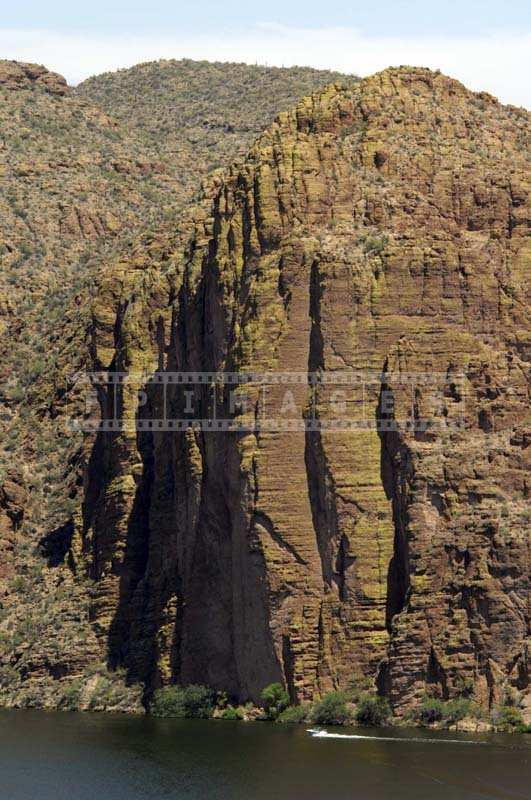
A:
{"x":16,"y":75}
{"x":382,"y":227}
{"x":13,"y":498}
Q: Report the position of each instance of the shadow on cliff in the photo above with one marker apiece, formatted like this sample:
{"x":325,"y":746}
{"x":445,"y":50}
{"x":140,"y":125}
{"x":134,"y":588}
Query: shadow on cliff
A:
{"x":391,"y":451}
{"x":133,"y":566}
{"x":55,"y":546}
{"x":131,"y":637}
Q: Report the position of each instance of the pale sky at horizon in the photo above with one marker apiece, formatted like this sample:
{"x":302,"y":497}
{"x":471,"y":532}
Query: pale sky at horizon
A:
{"x":486,"y":44}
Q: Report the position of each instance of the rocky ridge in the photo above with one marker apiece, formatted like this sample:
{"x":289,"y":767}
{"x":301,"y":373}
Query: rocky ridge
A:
{"x":15,"y":75}
{"x":379,"y":227}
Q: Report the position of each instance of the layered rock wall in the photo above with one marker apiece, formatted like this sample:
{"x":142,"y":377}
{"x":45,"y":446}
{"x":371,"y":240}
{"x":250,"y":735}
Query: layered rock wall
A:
{"x":378,"y":228}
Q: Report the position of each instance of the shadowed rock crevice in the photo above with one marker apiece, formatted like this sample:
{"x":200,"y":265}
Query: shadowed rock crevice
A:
{"x":56,"y":545}
{"x":319,"y":479}
{"x":134,"y":563}
{"x":259,"y":518}
{"x":393,"y":458}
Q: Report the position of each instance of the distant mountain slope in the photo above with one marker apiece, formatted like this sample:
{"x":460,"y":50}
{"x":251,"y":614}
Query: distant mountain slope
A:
{"x":194,"y":115}
{"x":73,"y":180}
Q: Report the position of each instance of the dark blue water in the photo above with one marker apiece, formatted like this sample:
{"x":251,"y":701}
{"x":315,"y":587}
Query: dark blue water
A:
{"x":51,"y":756}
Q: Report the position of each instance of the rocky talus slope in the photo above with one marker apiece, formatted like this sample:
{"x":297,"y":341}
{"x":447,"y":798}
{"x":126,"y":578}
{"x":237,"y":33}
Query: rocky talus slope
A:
{"x":379,"y":227}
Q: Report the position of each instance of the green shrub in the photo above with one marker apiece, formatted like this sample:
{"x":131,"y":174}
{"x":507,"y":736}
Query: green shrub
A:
{"x":373,"y":244}
{"x":457,"y":709}
{"x":357,"y":687}
{"x":221,"y":700}
{"x":19,"y":584}
{"x":275,"y":699}
{"x":465,"y":686}
{"x":294,"y":714}
{"x":8,"y":676}
{"x":510,"y":697}
{"x":31,"y":698}
{"x":101,"y":694}
{"x":508,"y":718}
{"x":432,"y":709}
{"x":69,"y":700}
{"x":183,"y":701}
{"x":231,"y":713}
{"x":372,"y":710}
{"x":331,"y":710}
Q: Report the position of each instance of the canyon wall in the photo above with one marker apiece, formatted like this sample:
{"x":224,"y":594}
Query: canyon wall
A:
{"x":380,"y":228}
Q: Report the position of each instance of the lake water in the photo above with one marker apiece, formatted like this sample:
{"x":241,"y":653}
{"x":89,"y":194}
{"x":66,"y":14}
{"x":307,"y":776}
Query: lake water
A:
{"x":51,"y":756}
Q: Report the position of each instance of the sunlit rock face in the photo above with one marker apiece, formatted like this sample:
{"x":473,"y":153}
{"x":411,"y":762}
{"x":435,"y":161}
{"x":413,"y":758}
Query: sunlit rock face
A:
{"x":382,"y":227}
{"x":379,"y":228}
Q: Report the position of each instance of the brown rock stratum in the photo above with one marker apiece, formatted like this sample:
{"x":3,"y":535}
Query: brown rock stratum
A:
{"x":380,"y":227}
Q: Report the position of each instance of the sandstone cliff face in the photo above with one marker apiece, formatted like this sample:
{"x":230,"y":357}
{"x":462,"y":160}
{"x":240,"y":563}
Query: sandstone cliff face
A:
{"x":382,"y":227}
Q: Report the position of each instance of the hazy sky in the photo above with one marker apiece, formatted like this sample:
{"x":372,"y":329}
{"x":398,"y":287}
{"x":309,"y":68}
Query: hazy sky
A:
{"x":486,"y":44}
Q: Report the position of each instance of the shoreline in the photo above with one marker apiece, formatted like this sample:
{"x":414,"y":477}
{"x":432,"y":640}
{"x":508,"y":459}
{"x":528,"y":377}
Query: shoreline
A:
{"x":102,"y":691}
{"x":466,"y":726}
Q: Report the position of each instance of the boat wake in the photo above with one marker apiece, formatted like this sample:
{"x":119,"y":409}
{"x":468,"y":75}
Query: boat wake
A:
{"x":317,"y":733}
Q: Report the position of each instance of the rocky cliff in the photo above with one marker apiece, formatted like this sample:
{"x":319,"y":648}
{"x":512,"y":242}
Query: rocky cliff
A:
{"x":77,"y":184}
{"x":378,"y":228}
